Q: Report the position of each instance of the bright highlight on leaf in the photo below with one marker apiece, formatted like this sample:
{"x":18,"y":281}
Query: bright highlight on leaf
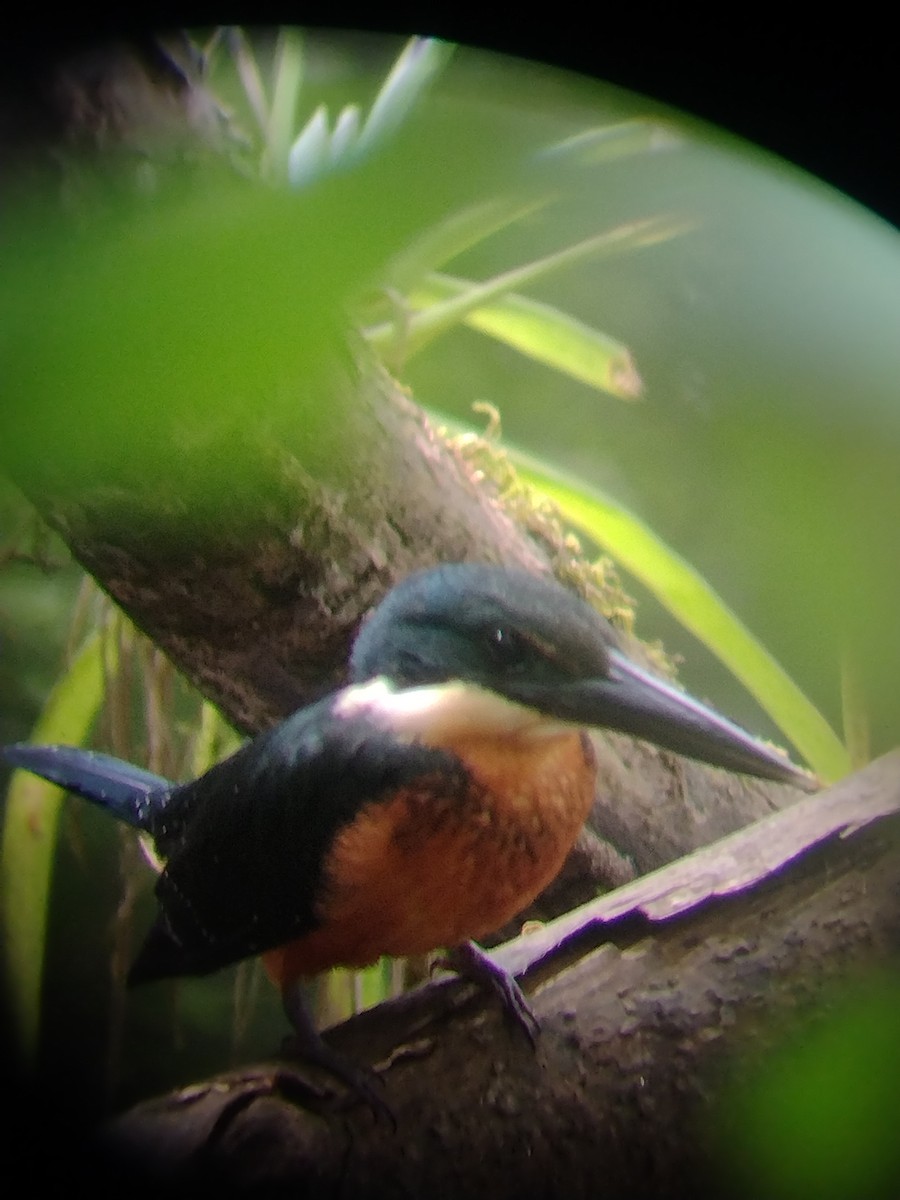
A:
{"x":317,"y":148}
{"x":419,"y":64}
{"x":462,"y":300}
{"x":697,"y":606}
{"x":288,"y":79}
{"x":441,"y":301}
{"x":545,"y":334}
{"x":691,"y":600}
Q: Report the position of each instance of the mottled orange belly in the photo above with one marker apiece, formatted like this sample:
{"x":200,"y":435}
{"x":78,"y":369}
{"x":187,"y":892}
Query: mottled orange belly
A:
{"x":433,"y":867}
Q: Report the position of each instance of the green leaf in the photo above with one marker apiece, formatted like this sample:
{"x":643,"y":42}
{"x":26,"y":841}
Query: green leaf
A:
{"x":696,"y":605}
{"x":462,"y":230}
{"x":288,"y":77}
{"x":547,"y":335}
{"x":308,"y":157}
{"x":420,"y":62}
{"x":250,"y":77}
{"x":213,"y":741}
{"x":438,"y":318}
{"x":455,"y":234}
{"x":607,"y":143}
{"x":346,"y":133}
{"x":29,"y":841}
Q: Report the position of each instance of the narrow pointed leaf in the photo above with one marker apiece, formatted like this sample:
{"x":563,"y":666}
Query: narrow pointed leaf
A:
{"x":29,"y":841}
{"x":308,"y":157}
{"x":455,"y":234}
{"x":288,"y":75}
{"x":421,"y":60}
{"x":438,"y":318}
{"x":679,"y":587}
{"x":606,"y":143}
{"x":250,"y":77}
{"x":346,"y":134}
{"x":547,"y":335}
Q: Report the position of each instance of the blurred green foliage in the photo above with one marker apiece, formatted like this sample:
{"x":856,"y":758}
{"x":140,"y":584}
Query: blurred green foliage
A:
{"x":816,"y":1118}
{"x":764,"y":446}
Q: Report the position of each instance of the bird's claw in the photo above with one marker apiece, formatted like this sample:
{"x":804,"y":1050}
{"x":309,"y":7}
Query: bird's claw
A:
{"x":470,"y":961}
{"x":358,"y":1080}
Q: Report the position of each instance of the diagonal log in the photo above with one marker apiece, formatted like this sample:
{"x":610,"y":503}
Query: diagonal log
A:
{"x":646,"y":996}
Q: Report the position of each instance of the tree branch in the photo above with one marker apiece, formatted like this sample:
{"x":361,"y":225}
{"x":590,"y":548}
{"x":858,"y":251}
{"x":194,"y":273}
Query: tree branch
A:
{"x":249,"y":545}
{"x":645,"y":997}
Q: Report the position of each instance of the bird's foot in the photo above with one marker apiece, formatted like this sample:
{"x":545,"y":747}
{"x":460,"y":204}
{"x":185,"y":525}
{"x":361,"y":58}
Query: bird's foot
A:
{"x":470,"y":961}
{"x":359,"y":1081}
{"x":307,"y":1044}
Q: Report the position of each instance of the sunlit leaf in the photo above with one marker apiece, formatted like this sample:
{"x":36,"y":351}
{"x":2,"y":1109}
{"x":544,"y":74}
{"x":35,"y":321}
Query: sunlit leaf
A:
{"x":438,"y":318}
{"x":29,"y":839}
{"x":346,"y":132}
{"x":456,"y":233}
{"x":545,"y":334}
{"x":689,"y":598}
{"x":288,"y":76}
{"x":420,"y":62}
{"x":308,"y":156}
{"x":316,"y":149}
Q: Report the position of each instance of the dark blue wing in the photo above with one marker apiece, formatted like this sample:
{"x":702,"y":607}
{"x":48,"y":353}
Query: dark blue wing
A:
{"x":246,"y":843}
{"x":130,"y":793}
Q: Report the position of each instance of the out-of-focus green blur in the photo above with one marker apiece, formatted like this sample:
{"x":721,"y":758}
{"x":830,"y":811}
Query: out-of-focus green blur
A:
{"x":816,"y":1118}
{"x":765,"y":447}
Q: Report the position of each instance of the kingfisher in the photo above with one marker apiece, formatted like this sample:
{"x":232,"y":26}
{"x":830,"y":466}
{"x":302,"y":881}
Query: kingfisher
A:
{"x":418,"y":808}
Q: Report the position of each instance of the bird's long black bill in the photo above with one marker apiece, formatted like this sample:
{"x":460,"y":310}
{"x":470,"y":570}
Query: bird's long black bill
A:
{"x":634,"y":701}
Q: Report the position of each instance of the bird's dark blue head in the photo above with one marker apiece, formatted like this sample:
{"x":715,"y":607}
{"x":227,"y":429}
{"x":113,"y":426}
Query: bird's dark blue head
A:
{"x":502,"y":629}
{"x":535,"y":644}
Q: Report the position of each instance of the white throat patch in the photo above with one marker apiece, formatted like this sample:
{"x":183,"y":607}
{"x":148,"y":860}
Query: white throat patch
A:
{"x":439,"y":713}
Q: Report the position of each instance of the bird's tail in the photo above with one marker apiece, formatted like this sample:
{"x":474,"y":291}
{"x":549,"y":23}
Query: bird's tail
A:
{"x":130,"y":793}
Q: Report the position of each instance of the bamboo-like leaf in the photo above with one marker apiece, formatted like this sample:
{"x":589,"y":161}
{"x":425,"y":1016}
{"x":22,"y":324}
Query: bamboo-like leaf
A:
{"x":855,"y":711}
{"x":29,"y":841}
{"x":696,"y":605}
{"x":466,"y":228}
{"x":308,"y":156}
{"x":346,"y":133}
{"x":455,"y":234}
{"x":288,"y":76}
{"x":416,"y":67}
{"x":545,"y":334}
{"x":606,"y":143}
{"x":250,"y":77}
{"x":438,"y":318}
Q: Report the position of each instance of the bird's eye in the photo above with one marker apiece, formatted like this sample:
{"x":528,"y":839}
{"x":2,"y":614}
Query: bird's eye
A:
{"x":513,"y":648}
{"x":504,"y":643}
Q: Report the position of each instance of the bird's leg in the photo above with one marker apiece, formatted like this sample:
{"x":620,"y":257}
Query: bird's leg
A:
{"x":307,"y":1043}
{"x":469,"y":960}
